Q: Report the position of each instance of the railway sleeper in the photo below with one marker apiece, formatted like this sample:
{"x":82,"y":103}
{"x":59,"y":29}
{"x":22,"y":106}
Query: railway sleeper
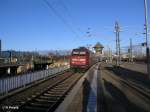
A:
{"x":54,"y":95}
{"x":56,"y":92}
{"x":71,"y":82}
{"x":65,"y":81}
{"x":33,"y":96}
{"x":60,"y":88}
{"x":64,"y":86}
{"x":41,"y":104}
{"x":38,"y":93}
{"x":49,"y":97}
{"x":34,"y":109}
{"x":45,"y":100}
{"x":19,"y":103}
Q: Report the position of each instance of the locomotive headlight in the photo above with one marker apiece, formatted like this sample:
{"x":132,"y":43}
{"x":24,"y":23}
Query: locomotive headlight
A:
{"x":73,"y":62}
{"x":82,"y":59}
{"x":74,"y":59}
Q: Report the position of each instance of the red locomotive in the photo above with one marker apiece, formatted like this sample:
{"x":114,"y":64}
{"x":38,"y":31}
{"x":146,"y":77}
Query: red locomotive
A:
{"x":81,"y":59}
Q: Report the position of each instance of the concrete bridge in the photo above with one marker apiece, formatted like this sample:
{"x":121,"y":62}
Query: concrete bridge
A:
{"x":15,"y":68}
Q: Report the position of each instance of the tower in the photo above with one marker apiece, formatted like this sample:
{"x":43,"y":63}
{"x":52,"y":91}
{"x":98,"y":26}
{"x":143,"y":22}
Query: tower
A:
{"x":98,"y":48}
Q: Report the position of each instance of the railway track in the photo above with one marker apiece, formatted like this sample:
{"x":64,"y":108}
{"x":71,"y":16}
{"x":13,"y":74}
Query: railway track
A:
{"x":43,"y":97}
{"x":135,"y":88}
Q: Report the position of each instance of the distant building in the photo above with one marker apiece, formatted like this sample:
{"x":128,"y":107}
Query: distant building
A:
{"x":98,"y":48}
{"x":17,"y":57}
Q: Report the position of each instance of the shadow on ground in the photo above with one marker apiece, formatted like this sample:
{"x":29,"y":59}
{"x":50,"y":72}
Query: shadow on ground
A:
{"x":137,"y":77}
{"x":86,"y":92}
{"x":118,"y":101}
{"x":89,"y":97}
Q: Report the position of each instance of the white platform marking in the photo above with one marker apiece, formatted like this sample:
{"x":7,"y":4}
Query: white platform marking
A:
{"x":92,"y":101}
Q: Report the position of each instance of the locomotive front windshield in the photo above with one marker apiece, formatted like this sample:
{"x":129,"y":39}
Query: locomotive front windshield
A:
{"x":80,"y":53}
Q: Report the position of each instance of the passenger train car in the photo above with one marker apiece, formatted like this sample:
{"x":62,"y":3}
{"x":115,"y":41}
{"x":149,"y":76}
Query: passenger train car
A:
{"x":82,"y":58}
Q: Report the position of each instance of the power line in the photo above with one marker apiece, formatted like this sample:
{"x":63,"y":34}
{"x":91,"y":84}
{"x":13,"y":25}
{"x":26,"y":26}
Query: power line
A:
{"x":60,"y":17}
{"x":71,"y":17}
{"x":66,"y":10}
{"x":87,"y":32}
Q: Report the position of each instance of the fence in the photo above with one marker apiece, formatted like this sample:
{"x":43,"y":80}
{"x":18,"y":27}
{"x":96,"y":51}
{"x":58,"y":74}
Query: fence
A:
{"x":10,"y":83}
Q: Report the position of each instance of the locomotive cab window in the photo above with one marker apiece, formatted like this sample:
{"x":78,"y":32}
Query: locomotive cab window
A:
{"x":82,"y":53}
{"x":75,"y":53}
{"x":79,"y":53}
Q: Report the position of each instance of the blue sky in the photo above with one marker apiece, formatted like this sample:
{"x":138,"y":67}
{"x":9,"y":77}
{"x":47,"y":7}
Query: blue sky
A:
{"x":33,"y":25}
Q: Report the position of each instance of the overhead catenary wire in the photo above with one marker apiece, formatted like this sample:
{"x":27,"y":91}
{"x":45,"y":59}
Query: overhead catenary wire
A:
{"x":73,"y":21}
{"x":88,"y":32}
{"x":60,"y":17}
{"x":66,"y":10}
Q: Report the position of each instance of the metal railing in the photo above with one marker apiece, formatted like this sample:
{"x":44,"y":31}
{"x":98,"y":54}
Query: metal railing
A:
{"x":10,"y":83}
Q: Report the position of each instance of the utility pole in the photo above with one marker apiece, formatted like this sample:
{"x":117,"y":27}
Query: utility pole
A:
{"x":146,"y":34}
{"x":10,"y":56}
{"x":110,"y":55}
{"x":0,"y":48}
{"x":119,"y":46}
{"x":117,"y":31}
{"x":131,"y":57}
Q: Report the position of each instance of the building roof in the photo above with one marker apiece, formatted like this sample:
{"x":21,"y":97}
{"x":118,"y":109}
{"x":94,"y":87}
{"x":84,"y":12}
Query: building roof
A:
{"x":98,"y":45}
